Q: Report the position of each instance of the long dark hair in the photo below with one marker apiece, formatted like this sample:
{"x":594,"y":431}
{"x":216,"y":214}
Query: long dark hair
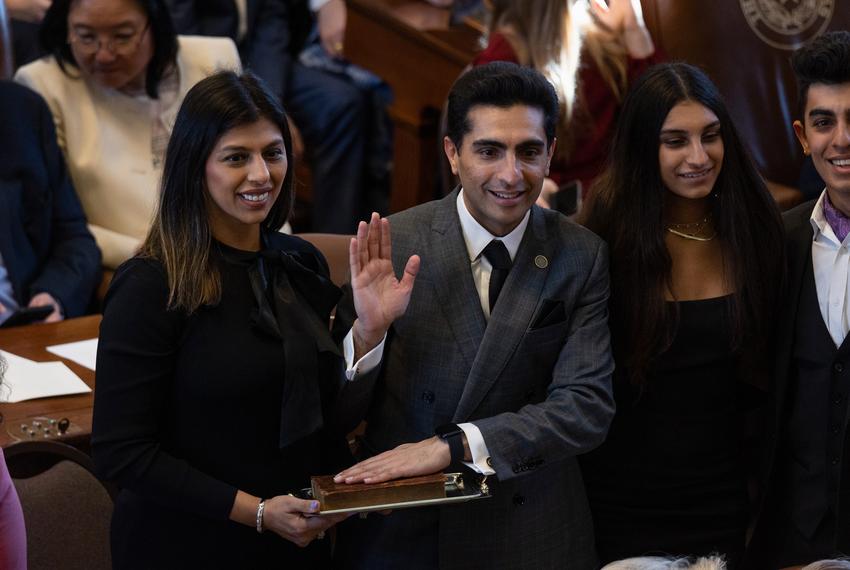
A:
{"x":180,"y":237}
{"x":626,"y":211}
{"x":53,"y":37}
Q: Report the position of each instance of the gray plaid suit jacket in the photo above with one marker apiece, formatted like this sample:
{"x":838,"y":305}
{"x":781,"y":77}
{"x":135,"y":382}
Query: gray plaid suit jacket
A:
{"x":535,"y":379}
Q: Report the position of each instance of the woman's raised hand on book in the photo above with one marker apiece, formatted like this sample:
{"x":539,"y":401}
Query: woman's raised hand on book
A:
{"x":379,"y":296}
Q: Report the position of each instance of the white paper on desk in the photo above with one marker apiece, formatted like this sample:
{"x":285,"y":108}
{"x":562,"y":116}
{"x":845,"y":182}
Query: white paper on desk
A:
{"x":83,"y":352}
{"x":15,"y":360}
{"x":28,"y":380}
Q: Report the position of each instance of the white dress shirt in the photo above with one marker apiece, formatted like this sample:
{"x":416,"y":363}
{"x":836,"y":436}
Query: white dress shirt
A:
{"x":831,"y":264}
{"x":476,"y":238}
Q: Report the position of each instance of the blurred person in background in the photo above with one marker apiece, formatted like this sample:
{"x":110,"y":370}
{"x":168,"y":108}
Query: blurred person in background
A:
{"x":114,"y":79}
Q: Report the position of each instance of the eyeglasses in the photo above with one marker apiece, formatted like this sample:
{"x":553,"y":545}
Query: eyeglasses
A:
{"x":124,"y":43}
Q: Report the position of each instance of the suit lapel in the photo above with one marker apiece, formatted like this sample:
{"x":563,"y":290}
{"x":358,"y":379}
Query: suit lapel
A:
{"x":799,"y":253}
{"x":452,"y":279}
{"x":512,"y":316}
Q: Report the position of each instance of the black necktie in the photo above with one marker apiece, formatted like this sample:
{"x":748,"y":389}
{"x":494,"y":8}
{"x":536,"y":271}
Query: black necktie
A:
{"x":497,"y":254}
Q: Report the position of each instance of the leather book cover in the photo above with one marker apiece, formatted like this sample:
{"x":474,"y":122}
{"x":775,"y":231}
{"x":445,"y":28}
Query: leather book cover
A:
{"x":333,"y":496}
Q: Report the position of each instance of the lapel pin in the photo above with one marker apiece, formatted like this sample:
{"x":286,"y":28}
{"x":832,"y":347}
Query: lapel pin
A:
{"x":541,"y":261}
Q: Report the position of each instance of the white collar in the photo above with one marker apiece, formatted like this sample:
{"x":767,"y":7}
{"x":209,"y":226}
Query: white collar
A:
{"x":819,"y":224}
{"x":477,"y":237}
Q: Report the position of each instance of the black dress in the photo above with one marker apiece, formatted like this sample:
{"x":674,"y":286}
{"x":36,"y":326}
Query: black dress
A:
{"x":670,"y":480}
{"x":188,"y":409}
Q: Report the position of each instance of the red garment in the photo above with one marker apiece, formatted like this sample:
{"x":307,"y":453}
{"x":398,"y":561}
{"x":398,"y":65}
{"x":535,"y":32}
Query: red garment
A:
{"x":597,"y":119}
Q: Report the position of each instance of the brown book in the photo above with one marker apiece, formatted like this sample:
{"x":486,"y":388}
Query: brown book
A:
{"x":333,"y":496}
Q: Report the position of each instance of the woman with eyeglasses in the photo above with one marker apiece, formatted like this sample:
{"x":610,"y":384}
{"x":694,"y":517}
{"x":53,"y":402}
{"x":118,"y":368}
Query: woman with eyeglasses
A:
{"x":114,"y":81}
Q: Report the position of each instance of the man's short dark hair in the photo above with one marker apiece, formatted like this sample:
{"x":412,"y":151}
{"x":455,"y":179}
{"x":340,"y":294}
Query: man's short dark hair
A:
{"x":825,"y":60}
{"x":500,"y":84}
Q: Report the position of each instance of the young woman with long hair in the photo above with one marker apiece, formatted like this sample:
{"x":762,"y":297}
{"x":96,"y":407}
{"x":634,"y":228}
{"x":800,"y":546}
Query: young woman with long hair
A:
{"x":696,"y":267}
{"x":216,"y":369}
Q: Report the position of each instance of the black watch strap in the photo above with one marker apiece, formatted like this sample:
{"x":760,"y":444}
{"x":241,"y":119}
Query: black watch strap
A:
{"x":453,"y":435}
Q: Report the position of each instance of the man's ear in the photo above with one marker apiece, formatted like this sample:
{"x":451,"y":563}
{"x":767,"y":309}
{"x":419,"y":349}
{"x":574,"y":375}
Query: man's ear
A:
{"x":451,"y":153}
{"x":551,"y":153}
{"x":800,"y":131}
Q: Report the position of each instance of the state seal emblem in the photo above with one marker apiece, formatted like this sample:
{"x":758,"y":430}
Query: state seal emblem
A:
{"x":787,"y":24}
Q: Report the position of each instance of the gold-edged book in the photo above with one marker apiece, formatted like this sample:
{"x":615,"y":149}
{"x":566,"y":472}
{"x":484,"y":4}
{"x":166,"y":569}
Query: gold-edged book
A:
{"x":338,"y":496}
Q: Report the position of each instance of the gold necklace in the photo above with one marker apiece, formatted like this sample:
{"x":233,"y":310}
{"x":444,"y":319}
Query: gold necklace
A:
{"x":690,"y":230}
{"x":691,"y":236}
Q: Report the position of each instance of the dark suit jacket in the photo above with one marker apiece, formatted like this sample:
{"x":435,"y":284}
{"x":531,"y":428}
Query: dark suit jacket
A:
{"x":535,"y":379}
{"x":276,"y":30}
{"x":44,"y":240}
{"x":798,"y":241}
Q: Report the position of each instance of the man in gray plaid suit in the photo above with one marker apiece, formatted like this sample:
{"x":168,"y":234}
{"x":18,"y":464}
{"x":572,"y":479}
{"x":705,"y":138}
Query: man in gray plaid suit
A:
{"x":497,"y":342}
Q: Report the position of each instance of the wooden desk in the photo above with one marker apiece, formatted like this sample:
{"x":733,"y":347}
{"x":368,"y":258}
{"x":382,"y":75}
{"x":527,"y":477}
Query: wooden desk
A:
{"x":31,"y":342}
{"x":412,"y":47}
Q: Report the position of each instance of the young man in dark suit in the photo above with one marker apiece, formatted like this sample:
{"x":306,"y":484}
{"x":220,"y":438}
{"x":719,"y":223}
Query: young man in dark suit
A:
{"x":503,"y":349}
{"x":806,"y":513}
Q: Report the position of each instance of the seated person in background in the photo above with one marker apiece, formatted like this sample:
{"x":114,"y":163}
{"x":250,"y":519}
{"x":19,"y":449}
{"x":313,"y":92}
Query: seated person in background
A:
{"x":13,"y":532}
{"x":591,"y":54}
{"x":47,"y":255}
{"x":806,"y":512}
{"x":328,"y":111}
{"x":216,"y":369}
{"x":114,"y":81}
{"x":696,"y":268}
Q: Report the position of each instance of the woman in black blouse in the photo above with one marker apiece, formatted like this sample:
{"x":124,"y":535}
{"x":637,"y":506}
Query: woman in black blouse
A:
{"x":696,"y":265}
{"x":216,"y":368}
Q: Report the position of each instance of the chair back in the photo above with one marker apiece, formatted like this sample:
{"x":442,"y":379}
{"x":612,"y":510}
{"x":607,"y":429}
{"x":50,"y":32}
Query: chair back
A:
{"x":335,"y":249}
{"x":67,"y":510}
{"x":7,"y":67}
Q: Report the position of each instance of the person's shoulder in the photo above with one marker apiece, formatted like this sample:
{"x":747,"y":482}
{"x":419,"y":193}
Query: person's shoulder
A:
{"x":209,"y":52}
{"x":567,"y":230}
{"x":420,"y":215}
{"x":289,"y":243}
{"x":139,"y":291}
{"x":45,"y":68}
{"x":306,"y":253}
{"x":46,"y":77}
{"x":18,"y":94}
{"x":799,"y":214}
{"x":140,"y":273}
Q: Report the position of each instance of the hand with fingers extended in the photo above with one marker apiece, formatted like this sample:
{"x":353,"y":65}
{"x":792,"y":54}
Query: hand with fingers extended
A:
{"x":379,"y":297}
{"x":408,"y":460}
{"x":297,"y":520}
